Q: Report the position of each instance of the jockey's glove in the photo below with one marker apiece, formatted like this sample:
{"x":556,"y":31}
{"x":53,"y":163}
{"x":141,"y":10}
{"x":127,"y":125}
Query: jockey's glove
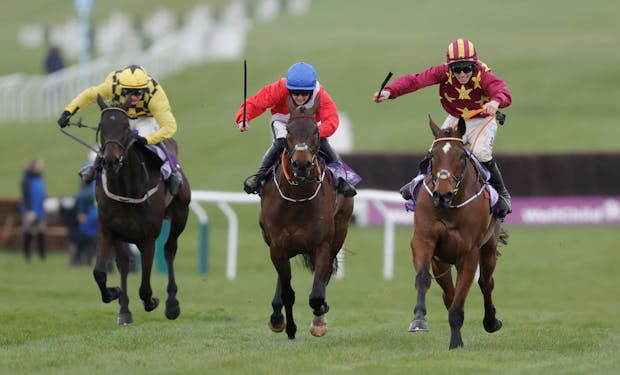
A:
{"x":64,"y":119}
{"x":141,"y":140}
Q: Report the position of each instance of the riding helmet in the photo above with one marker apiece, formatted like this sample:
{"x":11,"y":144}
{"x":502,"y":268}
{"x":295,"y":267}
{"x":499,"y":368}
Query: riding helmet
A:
{"x":461,"y":50}
{"x":301,"y":76}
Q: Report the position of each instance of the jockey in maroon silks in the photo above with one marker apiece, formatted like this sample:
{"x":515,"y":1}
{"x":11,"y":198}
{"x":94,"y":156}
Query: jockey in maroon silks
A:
{"x":466,"y":84}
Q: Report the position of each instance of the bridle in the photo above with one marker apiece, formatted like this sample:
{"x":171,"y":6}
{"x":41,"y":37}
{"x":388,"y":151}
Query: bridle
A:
{"x":123,"y":147}
{"x":286,"y":161}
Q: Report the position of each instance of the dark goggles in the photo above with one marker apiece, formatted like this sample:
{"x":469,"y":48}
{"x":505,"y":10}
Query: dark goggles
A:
{"x":300,"y":92}
{"x":456,"y":69}
{"x":133,"y":92}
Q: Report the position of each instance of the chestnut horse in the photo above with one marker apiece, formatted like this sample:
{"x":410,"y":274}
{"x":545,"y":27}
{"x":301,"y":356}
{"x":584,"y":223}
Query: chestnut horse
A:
{"x":133,"y":202}
{"x":453,"y":225}
{"x":301,"y":214}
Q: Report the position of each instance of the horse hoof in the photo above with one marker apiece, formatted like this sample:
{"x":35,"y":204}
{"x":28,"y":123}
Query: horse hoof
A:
{"x":318,"y":327}
{"x":173,"y":310}
{"x":111,"y":294}
{"x":418,"y":325}
{"x":152,"y":305}
{"x":493,"y":326}
{"x":275,"y":326}
{"x":124,"y":319}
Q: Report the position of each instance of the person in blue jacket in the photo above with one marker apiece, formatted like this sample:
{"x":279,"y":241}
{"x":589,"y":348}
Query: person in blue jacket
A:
{"x":31,"y":207}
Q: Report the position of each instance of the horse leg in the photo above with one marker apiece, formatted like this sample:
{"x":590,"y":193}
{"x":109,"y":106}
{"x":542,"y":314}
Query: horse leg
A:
{"x":100,"y":274}
{"x":147,"y":249}
{"x":443,"y":277}
{"x":177,"y":225}
{"x":488,"y":261}
{"x":456,"y":313}
{"x":421,"y":262}
{"x":283,"y":266}
{"x":122,"y":263}
{"x":276,"y":320}
{"x":323,"y":269}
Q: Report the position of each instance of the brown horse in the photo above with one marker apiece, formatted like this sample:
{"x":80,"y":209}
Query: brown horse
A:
{"x":133,"y":203}
{"x":301,"y":213}
{"x":453,"y":225}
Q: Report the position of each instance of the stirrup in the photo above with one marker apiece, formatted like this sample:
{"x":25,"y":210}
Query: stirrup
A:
{"x":250,"y":185}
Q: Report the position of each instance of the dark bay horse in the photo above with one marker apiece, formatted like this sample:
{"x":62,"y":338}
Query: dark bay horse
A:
{"x":133,"y":201}
{"x":301,"y":214}
{"x":453,"y":225}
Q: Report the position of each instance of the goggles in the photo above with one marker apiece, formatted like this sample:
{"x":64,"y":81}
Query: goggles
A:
{"x":300,"y":92}
{"x":134,"y":92}
{"x":456,"y":69}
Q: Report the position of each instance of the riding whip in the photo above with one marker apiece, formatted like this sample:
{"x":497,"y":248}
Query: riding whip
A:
{"x":245,"y":87}
{"x":385,"y":81}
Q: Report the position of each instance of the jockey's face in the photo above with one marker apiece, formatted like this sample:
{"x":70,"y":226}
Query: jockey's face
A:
{"x":462,"y":72}
{"x":134,"y":94}
{"x":300,"y":96}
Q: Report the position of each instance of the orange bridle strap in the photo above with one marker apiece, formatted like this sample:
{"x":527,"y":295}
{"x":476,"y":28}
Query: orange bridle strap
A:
{"x":286,"y":175}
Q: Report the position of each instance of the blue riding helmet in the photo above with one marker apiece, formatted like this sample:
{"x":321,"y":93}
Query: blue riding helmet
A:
{"x":301,"y":76}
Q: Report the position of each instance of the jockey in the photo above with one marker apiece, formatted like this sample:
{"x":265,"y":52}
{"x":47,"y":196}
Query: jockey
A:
{"x":465,"y":84}
{"x":303,"y":88}
{"x":150,"y":114}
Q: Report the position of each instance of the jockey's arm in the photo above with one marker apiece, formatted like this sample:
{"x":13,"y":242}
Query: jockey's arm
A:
{"x":160,"y":109}
{"x":89,"y":96}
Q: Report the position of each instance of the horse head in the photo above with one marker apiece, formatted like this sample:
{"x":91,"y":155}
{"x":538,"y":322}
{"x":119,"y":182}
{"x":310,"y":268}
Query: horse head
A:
{"x":115,"y":133}
{"x":302,"y":141}
{"x":448,"y":162}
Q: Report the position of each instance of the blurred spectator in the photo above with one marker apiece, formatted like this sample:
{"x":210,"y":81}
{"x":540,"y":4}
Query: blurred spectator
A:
{"x":53,"y":60}
{"x":84,"y":231}
{"x":31,"y":206}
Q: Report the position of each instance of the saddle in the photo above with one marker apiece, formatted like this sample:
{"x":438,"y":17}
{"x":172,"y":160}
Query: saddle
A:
{"x":490,"y":192}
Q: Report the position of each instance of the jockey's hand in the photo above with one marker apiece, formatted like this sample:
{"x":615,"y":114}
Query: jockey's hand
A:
{"x":141,"y":140}
{"x":490,"y":108}
{"x":243,"y":128}
{"x":64,"y":119}
{"x":378,"y":98}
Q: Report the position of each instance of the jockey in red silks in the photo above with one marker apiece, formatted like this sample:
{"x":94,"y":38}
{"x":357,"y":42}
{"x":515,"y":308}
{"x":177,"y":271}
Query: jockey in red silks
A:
{"x":466,"y":84}
{"x":303,"y":88}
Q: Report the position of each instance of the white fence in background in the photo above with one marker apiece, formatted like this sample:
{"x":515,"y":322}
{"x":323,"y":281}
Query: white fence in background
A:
{"x":202,"y":38}
{"x":378,"y":198}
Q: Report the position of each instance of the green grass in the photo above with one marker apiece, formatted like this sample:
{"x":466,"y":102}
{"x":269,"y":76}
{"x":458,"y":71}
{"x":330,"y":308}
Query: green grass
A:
{"x":554,"y":296}
{"x":557,"y":58}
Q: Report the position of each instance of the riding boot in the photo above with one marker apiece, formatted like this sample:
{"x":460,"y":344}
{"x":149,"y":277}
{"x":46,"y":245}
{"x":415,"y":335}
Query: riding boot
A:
{"x":344,"y":187}
{"x":176,"y":177}
{"x":423,"y":166}
{"x":89,"y":172}
{"x":405,"y":192}
{"x":252,"y":183}
{"x":496,"y":180}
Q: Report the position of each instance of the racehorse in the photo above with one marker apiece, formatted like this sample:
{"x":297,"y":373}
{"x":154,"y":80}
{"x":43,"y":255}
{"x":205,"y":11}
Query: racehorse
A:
{"x":301,"y":213}
{"x":453,"y":225}
{"x":133,"y":202}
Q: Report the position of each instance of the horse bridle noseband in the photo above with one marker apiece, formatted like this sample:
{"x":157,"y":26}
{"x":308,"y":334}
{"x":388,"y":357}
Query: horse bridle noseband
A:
{"x":446,"y":175}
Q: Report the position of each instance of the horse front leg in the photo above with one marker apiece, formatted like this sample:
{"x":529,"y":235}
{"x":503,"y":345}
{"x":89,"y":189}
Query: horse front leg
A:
{"x":276,"y":320}
{"x":100,"y":273}
{"x":456,"y":313}
{"x":282,"y":265}
{"x":122,"y":263}
{"x":488,"y":260}
{"x":147,"y":249}
{"x":324,"y":263}
{"x":422,"y":254}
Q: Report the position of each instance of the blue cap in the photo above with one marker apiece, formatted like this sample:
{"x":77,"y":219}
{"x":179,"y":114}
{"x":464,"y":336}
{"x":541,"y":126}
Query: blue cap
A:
{"x":301,"y":76}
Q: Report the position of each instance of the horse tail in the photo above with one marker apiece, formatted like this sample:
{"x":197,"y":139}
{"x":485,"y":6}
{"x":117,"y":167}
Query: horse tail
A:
{"x":308,"y":262}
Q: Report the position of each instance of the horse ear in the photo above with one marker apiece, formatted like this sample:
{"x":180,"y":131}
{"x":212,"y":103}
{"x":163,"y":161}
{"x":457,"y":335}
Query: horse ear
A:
{"x":434,"y":128}
{"x":289,"y":104}
{"x":461,"y":127}
{"x":101,"y":103}
{"x":317,"y":103}
{"x":127,"y":103}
